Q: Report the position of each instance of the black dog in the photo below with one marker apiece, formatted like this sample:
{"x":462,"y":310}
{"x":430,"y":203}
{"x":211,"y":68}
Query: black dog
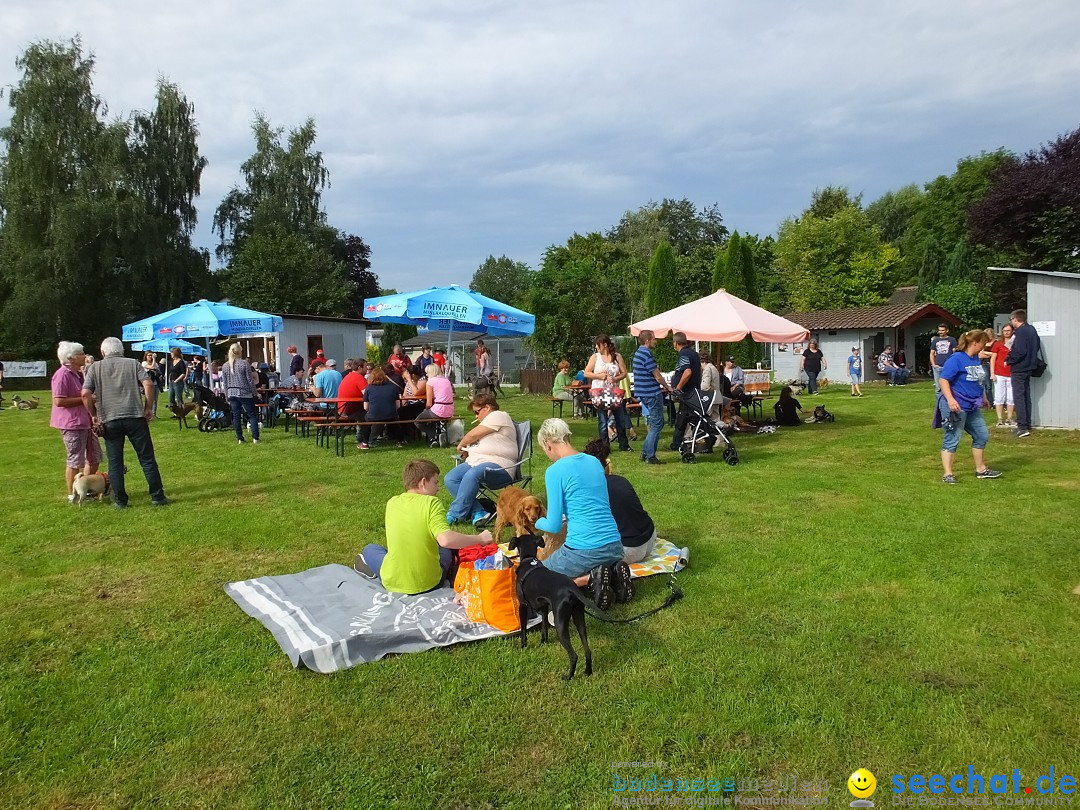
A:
{"x":545,"y":590}
{"x":822,"y":415}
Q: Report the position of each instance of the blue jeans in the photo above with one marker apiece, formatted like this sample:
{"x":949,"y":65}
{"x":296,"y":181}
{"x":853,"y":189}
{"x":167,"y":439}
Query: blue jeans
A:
{"x":811,"y":384}
{"x":970,"y":421}
{"x":897,"y":376}
{"x":574,"y":562}
{"x":463,"y":483}
{"x":937,"y":379}
{"x":606,"y":418}
{"x":653,"y":408}
{"x":374,"y":555}
{"x":137,"y":430}
{"x":248,"y":406}
{"x":176,"y":393}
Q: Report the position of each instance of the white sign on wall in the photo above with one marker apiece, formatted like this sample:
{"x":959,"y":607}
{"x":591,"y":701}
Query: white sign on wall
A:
{"x":1045,"y":328}
{"x":24,"y":368}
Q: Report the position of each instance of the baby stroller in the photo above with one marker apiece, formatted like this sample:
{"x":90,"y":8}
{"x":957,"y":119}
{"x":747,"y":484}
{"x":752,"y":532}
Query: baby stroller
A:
{"x":214,"y":411}
{"x":699,"y":426}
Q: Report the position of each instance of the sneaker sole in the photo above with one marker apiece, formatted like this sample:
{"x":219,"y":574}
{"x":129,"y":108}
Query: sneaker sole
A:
{"x":624,"y":582}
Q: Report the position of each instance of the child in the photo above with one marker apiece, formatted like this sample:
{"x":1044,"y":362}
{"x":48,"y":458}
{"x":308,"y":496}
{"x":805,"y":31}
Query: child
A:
{"x":419,"y":542}
{"x":787,"y":410}
{"x":854,"y":370}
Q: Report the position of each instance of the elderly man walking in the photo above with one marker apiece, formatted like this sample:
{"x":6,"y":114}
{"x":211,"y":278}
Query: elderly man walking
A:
{"x":111,"y":394}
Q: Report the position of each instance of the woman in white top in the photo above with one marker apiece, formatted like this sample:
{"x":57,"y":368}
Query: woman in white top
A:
{"x":605,"y":370}
{"x":490,"y":454}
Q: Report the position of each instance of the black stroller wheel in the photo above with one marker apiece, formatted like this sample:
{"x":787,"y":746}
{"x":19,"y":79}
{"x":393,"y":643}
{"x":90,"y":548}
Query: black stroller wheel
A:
{"x":731,"y":455}
{"x":688,"y":458}
{"x":202,"y":426}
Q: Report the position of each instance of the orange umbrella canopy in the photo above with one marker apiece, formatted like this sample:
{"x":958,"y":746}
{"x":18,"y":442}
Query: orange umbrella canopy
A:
{"x":724,"y":318}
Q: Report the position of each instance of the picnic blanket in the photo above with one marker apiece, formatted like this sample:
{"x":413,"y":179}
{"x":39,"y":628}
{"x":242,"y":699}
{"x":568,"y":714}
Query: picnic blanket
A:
{"x":330,"y":618}
{"x":667,"y":558}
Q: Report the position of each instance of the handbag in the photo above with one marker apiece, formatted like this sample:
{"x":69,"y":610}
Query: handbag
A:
{"x":605,"y":399}
{"x":1040,"y":365}
{"x":489,"y":596}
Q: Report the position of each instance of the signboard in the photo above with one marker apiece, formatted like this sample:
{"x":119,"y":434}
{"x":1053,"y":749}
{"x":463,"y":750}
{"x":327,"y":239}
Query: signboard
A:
{"x":24,"y":368}
{"x":1045,"y":328}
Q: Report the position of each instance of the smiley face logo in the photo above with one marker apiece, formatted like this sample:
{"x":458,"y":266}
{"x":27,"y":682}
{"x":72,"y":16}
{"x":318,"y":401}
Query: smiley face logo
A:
{"x":862,"y":784}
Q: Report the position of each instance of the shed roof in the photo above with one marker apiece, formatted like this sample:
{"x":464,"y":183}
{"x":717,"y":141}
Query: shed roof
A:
{"x":889,"y":316}
{"x":1055,"y":273}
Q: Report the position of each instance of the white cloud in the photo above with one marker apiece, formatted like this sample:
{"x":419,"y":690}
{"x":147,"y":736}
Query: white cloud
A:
{"x":461,"y":128}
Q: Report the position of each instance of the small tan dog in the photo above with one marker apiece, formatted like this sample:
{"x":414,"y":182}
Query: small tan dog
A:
{"x":519,"y":509}
{"x":90,"y":486}
{"x":25,"y":404}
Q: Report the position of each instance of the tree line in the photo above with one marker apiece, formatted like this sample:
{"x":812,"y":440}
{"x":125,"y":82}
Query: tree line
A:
{"x":996,"y":209}
{"x":97,"y":216}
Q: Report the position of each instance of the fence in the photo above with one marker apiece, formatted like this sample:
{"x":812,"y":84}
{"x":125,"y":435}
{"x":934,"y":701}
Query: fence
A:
{"x":537,"y":380}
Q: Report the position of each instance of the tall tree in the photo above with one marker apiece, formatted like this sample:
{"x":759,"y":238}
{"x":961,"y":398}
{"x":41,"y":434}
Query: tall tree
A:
{"x":354,"y":253}
{"x":283,"y":185}
{"x":168,"y":168}
{"x":727,"y":273}
{"x":575,"y":295}
{"x":893,"y":210}
{"x":825,"y":202}
{"x":66,"y":203}
{"x":280,"y":203}
{"x":661,"y":294}
{"x":1032,"y":210}
{"x":834,"y":262}
{"x":502,"y":279}
{"x":931,"y":265}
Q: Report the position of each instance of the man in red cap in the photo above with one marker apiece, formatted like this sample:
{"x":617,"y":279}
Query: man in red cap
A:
{"x":318,"y":358}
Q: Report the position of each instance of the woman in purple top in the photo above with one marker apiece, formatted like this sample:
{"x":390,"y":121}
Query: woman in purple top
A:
{"x":70,"y":416}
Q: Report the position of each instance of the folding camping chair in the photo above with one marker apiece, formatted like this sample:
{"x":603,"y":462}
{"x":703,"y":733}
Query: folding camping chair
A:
{"x":488,"y":494}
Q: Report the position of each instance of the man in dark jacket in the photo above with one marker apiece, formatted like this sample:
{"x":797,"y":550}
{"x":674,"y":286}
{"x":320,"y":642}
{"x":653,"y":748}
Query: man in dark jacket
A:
{"x":1022,"y":359}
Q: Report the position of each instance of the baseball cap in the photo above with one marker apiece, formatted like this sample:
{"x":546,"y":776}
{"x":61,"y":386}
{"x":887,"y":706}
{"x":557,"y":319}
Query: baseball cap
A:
{"x":332,"y":363}
{"x":319,"y":352}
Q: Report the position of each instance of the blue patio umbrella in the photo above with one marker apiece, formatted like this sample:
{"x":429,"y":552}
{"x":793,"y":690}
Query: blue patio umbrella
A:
{"x":163,"y":345}
{"x":444,"y":309}
{"x":202,"y":319}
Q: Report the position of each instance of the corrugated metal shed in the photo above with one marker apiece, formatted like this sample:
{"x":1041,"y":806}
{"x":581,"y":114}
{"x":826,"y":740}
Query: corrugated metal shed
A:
{"x":1054,"y":298}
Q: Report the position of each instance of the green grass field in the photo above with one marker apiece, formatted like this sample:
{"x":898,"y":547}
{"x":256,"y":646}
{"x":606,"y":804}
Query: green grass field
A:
{"x":843,"y":609}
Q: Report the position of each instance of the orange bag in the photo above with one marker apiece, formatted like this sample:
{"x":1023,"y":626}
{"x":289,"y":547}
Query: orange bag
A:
{"x":489,"y":596}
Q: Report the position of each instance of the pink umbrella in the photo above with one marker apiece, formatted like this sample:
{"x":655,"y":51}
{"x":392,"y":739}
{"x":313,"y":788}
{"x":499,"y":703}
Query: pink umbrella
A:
{"x":723,"y":318}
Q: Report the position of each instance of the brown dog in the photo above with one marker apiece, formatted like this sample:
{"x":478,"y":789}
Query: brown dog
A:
{"x":519,"y":509}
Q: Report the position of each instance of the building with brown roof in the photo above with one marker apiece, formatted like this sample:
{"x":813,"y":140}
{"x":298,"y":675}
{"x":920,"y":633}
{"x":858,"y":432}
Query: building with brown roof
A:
{"x":897,"y":324}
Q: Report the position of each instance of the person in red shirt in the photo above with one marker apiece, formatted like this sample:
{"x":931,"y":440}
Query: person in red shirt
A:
{"x":351,"y":387}
{"x":318,"y":358}
{"x":398,"y":359}
{"x":1003,"y":395}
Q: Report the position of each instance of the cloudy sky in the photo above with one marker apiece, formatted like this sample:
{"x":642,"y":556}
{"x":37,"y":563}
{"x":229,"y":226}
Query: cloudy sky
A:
{"x":455,"y":129}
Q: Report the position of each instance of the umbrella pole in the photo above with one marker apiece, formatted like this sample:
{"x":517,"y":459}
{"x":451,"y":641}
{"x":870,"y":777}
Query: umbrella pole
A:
{"x":450,"y":352}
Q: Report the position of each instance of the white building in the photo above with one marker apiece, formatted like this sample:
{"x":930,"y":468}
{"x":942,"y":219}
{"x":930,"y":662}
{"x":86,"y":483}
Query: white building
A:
{"x":871,"y":329}
{"x":337,"y":337}
{"x":1053,"y":308}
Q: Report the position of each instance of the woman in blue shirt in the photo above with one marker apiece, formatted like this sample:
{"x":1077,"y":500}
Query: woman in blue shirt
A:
{"x":577,"y":490}
{"x":960,"y":405}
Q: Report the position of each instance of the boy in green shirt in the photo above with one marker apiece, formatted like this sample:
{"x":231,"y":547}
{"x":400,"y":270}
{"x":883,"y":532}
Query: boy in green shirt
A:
{"x":419,"y":542}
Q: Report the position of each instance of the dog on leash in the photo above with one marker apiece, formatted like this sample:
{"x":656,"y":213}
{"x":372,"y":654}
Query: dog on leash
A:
{"x":90,"y":486}
{"x":821,"y":415}
{"x":545,"y":590}
{"x":25,"y":404}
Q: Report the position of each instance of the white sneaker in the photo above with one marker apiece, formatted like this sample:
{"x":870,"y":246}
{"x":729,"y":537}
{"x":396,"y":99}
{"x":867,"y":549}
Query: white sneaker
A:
{"x":254,"y":441}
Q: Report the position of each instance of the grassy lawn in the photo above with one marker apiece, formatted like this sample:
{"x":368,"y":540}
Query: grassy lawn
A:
{"x":843,"y":609}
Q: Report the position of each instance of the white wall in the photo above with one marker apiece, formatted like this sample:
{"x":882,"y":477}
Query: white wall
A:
{"x":1054,"y":396}
{"x":340,"y":339}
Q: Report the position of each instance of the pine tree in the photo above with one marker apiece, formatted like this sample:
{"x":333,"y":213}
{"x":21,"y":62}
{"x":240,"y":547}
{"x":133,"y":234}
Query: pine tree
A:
{"x":727,"y":273}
